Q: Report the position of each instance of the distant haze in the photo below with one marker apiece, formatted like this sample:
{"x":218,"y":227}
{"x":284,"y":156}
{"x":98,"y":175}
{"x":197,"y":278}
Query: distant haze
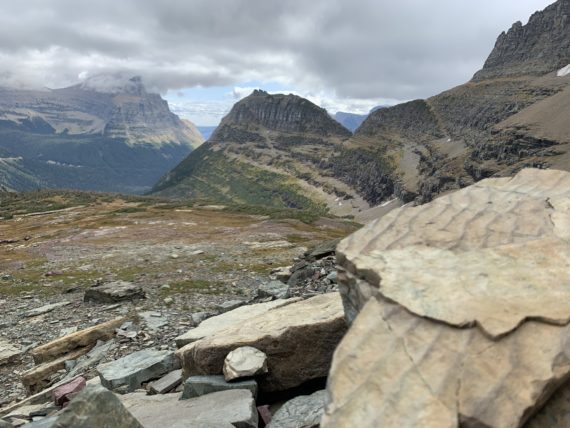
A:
{"x":344,"y":55}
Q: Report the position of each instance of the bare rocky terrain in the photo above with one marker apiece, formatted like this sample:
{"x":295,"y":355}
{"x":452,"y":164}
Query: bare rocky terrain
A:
{"x":185,"y":260}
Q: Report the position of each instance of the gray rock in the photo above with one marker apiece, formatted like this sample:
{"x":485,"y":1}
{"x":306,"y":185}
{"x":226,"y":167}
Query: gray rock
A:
{"x":166,"y":383}
{"x":275,"y":289}
{"x":134,"y":369}
{"x":235,"y":407}
{"x":96,"y":407}
{"x":196,"y":386}
{"x":45,"y":309}
{"x":245,"y":361}
{"x":304,"y":411}
{"x":300,"y":275}
{"x":332,"y":277}
{"x":8,"y":352}
{"x":230,"y":305}
{"x":198,"y":317}
{"x":48,"y":422}
{"x":113,"y":292}
{"x":153,"y":320}
{"x":324,"y":249}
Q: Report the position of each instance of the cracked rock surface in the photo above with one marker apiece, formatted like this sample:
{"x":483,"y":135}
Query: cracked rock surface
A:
{"x":461,"y":310}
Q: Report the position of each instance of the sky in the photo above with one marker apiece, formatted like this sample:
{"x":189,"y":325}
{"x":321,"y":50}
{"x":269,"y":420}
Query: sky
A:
{"x":204,"y":55}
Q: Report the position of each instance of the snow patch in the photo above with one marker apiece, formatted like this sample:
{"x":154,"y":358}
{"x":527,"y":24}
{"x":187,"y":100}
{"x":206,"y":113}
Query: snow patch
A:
{"x":50,"y":162}
{"x":564,"y":71}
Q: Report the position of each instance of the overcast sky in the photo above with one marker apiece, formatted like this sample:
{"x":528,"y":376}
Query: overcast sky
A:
{"x":203,"y":55}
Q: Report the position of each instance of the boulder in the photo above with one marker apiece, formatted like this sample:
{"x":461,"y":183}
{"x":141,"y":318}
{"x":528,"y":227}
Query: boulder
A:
{"x":113,"y":292}
{"x":298,"y":339}
{"x":274,"y":289}
{"x":128,"y":373}
{"x":235,"y":407}
{"x":9,"y":352}
{"x":213,"y":325}
{"x":96,"y":407}
{"x":244,"y":362}
{"x":230,"y":305}
{"x":304,"y":411}
{"x":460,"y":309}
{"x":196,"y":386}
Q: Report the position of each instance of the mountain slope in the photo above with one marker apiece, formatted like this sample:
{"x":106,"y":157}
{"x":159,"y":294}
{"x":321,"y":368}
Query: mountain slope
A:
{"x":273,"y":150}
{"x":350,"y":121}
{"x":512,"y":114}
{"x":92,"y":136}
{"x":492,"y":126}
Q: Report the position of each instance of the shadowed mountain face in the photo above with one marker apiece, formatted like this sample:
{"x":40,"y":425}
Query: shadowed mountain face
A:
{"x":95,"y":135}
{"x":513,"y":114}
{"x":350,"y":121}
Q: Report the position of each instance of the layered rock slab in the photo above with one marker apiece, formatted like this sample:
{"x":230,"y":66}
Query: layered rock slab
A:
{"x":464,"y":308}
{"x":236,"y":408}
{"x":298,"y":339}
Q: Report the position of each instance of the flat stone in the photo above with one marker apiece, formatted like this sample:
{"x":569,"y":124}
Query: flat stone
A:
{"x":275,"y":289}
{"x":196,"y":386}
{"x":244,"y":362}
{"x":475,"y":331}
{"x":235,"y":407}
{"x":230,"y":305}
{"x":112,"y":292}
{"x":96,"y":407}
{"x":153,"y":320}
{"x":9,"y":352}
{"x":166,"y":383}
{"x":324,"y":249}
{"x":218,"y":323}
{"x":45,"y":309}
{"x":298,"y":339}
{"x":304,"y":411}
{"x":134,"y":369}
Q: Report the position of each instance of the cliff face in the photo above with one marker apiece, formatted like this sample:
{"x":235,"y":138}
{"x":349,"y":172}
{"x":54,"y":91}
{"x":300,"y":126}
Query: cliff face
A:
{"x":92,"y":136}
{"x":539,"y":47}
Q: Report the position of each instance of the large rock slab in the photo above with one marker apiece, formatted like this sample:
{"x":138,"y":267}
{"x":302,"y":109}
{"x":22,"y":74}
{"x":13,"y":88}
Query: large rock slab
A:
{"x":113,"y":292}
{"x":304,"y":411}
{"x":218,"y":323}
{"x":96,"y":407}
{"x":128,"y":373}
{"x":464,"y":309}
{"x":42,"y":310}
{"x":235,"y":407}
{"x":298,"y":339}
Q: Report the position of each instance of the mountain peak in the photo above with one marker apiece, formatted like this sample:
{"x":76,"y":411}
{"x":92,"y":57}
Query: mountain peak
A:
{"x":539,"y":47}
{"x":279,"y":112}
{"x":114,"y":84}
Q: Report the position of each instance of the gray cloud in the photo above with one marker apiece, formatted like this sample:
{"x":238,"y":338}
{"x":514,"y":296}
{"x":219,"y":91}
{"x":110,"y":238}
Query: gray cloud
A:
{"x":358,"y":49}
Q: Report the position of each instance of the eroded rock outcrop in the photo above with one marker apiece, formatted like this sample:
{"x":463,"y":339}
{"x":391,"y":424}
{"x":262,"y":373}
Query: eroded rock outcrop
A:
{"x":461,"y":309}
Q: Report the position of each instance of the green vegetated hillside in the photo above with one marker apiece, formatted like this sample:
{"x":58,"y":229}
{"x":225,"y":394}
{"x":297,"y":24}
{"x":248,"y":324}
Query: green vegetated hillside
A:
{"x":511,"y":115}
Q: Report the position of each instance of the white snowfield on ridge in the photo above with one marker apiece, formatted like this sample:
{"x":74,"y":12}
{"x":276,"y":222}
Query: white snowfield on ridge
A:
{"x":564,"y":71}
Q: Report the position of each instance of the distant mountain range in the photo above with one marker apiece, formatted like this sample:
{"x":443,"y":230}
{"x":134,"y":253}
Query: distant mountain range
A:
{"x":106,"y":134}
{"x":285,"y":151}
{"x":206,"y":131}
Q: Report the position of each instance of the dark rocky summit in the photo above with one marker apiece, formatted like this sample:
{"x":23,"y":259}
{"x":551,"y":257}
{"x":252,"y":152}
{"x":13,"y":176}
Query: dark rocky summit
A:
{"x":539,"y":47}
